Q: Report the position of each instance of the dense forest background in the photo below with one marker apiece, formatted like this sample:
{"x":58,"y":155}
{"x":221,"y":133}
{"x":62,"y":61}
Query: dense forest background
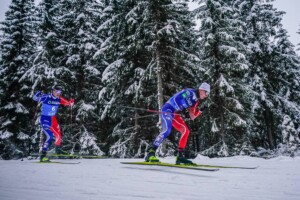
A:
{"x":114,"y":56}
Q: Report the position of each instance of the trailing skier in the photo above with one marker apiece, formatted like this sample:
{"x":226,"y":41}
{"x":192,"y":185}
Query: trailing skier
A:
{"x":181,"y":101}
{"x":50,"y":104}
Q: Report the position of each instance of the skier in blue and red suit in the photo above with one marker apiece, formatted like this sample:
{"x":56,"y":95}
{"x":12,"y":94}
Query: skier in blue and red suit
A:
{"x":181,"y":101}
{"x":50,"y":104}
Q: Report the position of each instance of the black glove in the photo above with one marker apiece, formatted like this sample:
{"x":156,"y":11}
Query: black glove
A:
{"x":203,"y":108}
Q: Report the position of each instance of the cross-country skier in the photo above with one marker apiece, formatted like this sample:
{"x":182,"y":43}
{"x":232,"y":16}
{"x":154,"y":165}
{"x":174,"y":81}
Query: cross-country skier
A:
{"x":187,"y":99}
{"x":50,"y":104}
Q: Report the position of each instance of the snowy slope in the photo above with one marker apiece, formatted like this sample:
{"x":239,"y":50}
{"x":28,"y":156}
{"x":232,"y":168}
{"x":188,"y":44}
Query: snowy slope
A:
{"x":107,"y":179}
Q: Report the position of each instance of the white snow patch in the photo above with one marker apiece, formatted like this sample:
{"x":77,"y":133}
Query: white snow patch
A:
{"x":274,"y":179}
{"x":5,"y":135}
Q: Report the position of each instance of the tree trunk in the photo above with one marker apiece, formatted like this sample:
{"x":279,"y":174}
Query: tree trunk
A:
{"x":222,"y":132}
{"x":159,"y":86}
{"x":136,"y":133}
{"x":159,"y":66}
{"x":268,"y":122}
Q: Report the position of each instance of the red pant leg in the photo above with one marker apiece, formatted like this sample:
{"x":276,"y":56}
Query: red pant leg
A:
{"x":180,"y":125}
{"x":56,"y":131}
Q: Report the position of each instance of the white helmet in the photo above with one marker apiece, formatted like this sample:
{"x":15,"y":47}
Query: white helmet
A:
{"x":205,"y":86}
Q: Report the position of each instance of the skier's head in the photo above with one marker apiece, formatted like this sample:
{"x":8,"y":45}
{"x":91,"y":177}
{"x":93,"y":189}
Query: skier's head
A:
{"x":57,"y":90}
{"x":204,"y":90}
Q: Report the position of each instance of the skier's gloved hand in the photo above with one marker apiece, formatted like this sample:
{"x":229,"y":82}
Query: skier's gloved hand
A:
{"x":203,"y":108}
{"x":38,"y":94}
{"x":71,"y":102}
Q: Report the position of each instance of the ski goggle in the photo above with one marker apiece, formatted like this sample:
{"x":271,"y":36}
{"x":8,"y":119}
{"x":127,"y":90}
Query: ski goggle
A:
{"x":58,"y":91}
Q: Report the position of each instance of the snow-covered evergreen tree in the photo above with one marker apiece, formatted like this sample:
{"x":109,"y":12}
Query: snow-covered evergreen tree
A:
{"x":224,"y":56}
{"x":146,"y":40}
{"x":114,"y":56}
{"x":122,"y":72}
{"x":88,"y":144}
{"x":290,"y":137}
{"x":17,"y":47}
{"x":46,"y":64}
{"x":287,"y":84}
{"x":78,"y":23}
{"x":168,"y":34}
{"x":67,"y":43}
{"x":272,"y":74}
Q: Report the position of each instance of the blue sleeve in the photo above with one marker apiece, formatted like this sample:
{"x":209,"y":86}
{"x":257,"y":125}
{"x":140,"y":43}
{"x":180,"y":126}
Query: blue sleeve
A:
{"x":36,"y":97}
{"x":39,"y":97}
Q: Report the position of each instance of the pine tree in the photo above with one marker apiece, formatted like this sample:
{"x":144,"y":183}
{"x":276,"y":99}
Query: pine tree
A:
{"x":224,"y":56}
{"x":17,"y":47}
{"x":273,"y":64}
{"x":66,"y":47}
{"x":88,"y":144}
{"x":168,"y":34}
{"x":77,"y":26}
{"x":290,"y":137}
{"x":46,"y":64}
{"x":154,"y":58}
{"x":121,"y":75}
{"x":286,"y":84}
{"x":44,"y":67}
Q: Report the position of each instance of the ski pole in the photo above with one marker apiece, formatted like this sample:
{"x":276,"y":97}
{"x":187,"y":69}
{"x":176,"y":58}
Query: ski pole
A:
{"x":71,"y":118}
{"x":71,"y":115}
{"x":148,"y":110}
{"x":152,"y":115}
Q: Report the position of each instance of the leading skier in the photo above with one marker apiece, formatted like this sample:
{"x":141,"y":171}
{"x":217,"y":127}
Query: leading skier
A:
{"x":187,"y":99}
{"x":50,"y":104}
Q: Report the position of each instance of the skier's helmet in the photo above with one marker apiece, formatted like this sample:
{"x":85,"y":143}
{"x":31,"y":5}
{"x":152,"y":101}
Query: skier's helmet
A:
{"x":206,"y":87}
{"x":58,"y":89}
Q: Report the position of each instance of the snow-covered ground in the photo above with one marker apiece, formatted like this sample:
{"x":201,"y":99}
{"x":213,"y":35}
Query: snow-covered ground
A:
{"x":107,"y":179}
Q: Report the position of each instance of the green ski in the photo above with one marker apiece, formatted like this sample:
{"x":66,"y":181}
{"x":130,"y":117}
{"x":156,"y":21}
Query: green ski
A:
{"x":228,"y":167}
{"x":172,"y":165}
{"x":56,"y":162}
{"x":194,"y":165}
{"x":71,"y":156}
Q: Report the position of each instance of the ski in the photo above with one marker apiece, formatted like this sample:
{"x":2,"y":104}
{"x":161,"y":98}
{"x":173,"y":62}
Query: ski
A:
{"x":221,"y":166}
{"x":71,"y":156}
{"x":56,"y":162}
{"x":57,"y":156}
{"x":75,"y":156}
{"x":162,"y":164}
{"x":92,"y":157}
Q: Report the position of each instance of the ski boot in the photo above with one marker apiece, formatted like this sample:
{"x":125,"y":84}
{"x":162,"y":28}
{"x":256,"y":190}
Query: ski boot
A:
{"x":180,"y":159}
{"x":151,"y":156}
{"x":43,"y":157}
